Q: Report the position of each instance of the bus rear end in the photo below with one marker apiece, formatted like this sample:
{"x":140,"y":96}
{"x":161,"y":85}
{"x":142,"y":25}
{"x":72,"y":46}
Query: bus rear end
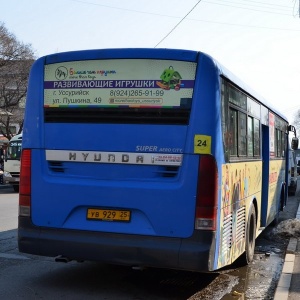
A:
{"x":109,"y":168}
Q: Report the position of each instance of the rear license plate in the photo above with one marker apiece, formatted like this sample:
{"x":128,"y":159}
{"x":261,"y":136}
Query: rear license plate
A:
{"x":108,"y":215}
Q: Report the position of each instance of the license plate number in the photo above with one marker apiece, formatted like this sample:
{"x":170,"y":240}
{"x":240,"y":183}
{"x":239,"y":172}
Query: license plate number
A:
{"x":108,"y":215}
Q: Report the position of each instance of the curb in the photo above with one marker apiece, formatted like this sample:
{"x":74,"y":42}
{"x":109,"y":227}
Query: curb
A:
{"x":283,"y":287}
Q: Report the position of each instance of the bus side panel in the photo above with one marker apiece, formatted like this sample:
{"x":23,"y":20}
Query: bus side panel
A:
{"x":241,"y":185}
{"x":276,"y":187}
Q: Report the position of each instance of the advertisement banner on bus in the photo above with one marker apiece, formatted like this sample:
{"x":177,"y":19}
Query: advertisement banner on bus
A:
{"x":123,"y":82}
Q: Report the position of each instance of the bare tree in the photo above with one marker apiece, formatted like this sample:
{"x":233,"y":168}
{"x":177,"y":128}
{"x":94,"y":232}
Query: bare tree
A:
{"x":296,"y":122}
{"x":16,"y":59}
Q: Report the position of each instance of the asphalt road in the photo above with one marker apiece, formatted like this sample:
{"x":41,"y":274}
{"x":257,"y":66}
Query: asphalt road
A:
{"x":25,"y":276}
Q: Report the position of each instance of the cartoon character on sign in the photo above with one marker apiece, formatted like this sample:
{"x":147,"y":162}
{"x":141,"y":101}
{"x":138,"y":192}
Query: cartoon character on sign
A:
{"x":170,"y":79}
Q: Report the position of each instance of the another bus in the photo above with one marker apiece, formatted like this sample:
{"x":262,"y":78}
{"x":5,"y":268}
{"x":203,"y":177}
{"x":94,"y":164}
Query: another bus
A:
{"x":147,"y":158}
{"x":11,"y":173}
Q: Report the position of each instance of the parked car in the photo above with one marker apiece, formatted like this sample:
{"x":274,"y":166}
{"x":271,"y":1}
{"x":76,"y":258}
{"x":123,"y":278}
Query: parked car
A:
{"x":292,"y":173}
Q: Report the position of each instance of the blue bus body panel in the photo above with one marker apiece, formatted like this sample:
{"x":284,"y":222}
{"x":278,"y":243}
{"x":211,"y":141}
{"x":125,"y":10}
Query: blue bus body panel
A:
{"x":157,"y":201}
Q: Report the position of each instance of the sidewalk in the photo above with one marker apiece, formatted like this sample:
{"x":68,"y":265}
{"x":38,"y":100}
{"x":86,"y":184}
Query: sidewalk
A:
{"x":288,"y":287}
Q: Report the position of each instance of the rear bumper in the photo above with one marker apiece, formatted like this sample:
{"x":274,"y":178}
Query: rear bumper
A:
{"x":193,"y":254}
{"x":11,"y":180}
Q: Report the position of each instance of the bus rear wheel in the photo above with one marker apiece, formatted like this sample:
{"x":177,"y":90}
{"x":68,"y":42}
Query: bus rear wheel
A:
{"x":250,"y":236}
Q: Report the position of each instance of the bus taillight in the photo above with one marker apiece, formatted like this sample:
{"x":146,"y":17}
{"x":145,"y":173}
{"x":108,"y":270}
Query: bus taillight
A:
{"x":207,"y":194}
{"x":25,"y":183}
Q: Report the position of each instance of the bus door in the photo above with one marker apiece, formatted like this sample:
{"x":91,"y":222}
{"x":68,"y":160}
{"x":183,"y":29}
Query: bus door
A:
{"x":265,"y":174}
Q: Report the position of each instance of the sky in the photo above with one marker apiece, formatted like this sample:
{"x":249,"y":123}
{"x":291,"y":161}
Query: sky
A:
{"x":257,"y":40}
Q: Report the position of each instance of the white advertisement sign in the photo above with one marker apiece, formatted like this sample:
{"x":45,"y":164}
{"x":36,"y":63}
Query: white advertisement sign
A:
{"x":119,"y":83}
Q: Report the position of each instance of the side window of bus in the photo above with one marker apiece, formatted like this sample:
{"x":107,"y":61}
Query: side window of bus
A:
{"x":283,"y":143}
{"x":250,"y":137}
{"x":256,"y":137}
{"x":280,"y":137}
{"x":279,"y":143}
{"x":253,"y":137}
{"x":237,"y":133}
{"x":242,"y":136}
{"x":232,"y":134}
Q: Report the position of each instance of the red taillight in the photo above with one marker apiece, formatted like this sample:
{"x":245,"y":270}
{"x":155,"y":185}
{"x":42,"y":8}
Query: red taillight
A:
{"x":207,"y":194}
{"x":25,"y":183}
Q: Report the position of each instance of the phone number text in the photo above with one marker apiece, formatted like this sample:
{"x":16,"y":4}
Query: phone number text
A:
{"x":136,"y":93}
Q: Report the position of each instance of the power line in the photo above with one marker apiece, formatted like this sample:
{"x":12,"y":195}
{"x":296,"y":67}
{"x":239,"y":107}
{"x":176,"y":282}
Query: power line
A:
{"x":258,"y":4}
{"x":199,"y":20}
{"x":243,"y":25}
{"x":121,"y":8}
{"x":207,"y":2}
{"x":177,"y":24}
{"x":247,"y":8}
{"x":264,"y":3}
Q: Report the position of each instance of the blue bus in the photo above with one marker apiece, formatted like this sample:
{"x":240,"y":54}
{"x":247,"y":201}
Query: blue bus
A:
{"x":147,"y":158}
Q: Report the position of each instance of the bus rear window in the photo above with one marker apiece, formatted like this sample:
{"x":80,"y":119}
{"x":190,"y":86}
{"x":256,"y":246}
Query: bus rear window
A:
{"x":119,"y":91}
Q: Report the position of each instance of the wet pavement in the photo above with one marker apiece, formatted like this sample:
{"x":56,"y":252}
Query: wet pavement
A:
{"x":274,"y":273}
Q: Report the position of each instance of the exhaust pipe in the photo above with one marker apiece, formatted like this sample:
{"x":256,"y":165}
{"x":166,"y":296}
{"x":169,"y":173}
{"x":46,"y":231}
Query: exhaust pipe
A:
{"x":138,"y":268}
{"x":62,"y":258}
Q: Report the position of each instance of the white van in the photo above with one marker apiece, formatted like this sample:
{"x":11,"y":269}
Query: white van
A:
{"x":12,"y":162}
{"x":292,"y":173}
